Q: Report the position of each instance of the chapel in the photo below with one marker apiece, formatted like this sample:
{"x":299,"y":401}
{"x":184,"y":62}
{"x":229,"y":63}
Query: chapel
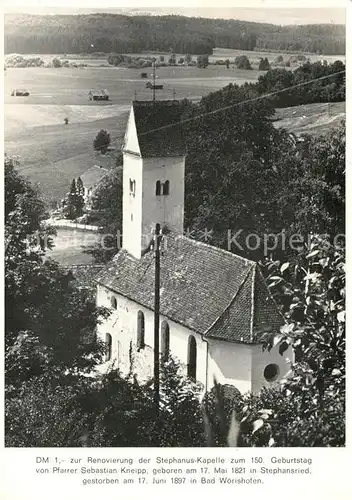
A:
{"x":214,"y":305}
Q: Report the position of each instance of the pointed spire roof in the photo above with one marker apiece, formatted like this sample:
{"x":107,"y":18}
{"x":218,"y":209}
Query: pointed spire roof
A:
{"x":157,"y":126}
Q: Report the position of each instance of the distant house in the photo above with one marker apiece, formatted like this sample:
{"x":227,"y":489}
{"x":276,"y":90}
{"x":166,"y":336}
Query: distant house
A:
{"x":91,"y":179}
{"x":98,"y":95}
{"x":149,"y":85}
{"x":21,"y":93}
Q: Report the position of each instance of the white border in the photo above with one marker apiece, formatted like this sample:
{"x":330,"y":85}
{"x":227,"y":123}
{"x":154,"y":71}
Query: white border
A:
{"x":331,"y":466}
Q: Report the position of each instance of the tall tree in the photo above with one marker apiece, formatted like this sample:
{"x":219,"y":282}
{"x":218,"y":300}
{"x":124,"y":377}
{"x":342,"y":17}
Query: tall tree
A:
{"x":73,"y":204}
{"x":203,"y":61}
{"x":106,"y":212}
{"x":79,"y":187}
{"x":311,"y":402}
{"x":102,"y":141}
{"x":38,"y":293}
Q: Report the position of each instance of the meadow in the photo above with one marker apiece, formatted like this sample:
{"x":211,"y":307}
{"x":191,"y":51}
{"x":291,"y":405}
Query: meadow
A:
{"x":313,"y":119}
{"x":52,"y":153}
{"x":71,"y":246}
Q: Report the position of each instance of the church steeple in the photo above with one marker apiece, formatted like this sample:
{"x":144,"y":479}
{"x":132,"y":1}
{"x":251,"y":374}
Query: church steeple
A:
{"x":153,"y":172}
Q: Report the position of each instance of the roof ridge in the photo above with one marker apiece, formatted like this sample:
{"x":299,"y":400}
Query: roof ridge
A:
{"x":220,"y":250}
{"x":253,"y":303}
{"x":270,"y":295}
{"x":231,"y":301}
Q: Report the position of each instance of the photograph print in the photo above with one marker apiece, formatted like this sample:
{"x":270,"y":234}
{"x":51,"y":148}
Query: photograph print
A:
{"x":174,"y":227}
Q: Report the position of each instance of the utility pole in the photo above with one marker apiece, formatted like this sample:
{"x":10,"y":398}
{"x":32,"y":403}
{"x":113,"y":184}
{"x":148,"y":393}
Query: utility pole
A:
{"x":153,"y":81}
{"x":157,"y":243}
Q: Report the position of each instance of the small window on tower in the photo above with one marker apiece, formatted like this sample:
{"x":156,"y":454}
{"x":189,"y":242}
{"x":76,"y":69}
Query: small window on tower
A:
{"x":158,"y":188}
{"x":166,"y":187}
{"x":132,"y":187}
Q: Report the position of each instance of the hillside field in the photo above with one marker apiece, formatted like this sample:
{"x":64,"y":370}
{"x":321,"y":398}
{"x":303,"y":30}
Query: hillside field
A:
{"x":311,"y":119}
{"x":52,"y":153}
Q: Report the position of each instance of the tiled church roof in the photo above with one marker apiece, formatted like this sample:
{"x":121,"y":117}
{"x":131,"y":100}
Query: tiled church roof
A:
{"x":158,"y":129}
{"x":206,"y":289}
{"x":84,"y":275}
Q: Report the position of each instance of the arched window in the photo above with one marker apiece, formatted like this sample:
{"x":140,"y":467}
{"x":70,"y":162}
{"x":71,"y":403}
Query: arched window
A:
{"x":165,"y":341}
{"x":166,"y":187}
{"x":108,"y":341}
{"x":158,"y":188}
{"x":192,"y":358}
{"x":140,"y":330}
{"x":113,"y":302}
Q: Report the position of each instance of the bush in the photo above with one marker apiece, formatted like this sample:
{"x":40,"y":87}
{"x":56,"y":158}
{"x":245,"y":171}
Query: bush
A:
{"x":203,"y":61}
{"x":18,"y":61}
{"x":172,"y":60}
{"x":181,"y":60}
{"x":264,"y":64}
{"x":242,"y":62}
{"x":56,"y":62}
{"x":220,"y":405}
{"x":102,"y":141}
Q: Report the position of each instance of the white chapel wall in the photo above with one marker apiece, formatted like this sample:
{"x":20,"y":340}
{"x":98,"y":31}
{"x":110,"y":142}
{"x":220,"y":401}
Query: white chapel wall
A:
{"x":122,"y":326}
{"x":243,"y":365}
{"x":132,"y":204}
{"x":168,"y":209}
{"x":240,"y":365}
{"x":230,"y":363}
{"x":261,"y":359}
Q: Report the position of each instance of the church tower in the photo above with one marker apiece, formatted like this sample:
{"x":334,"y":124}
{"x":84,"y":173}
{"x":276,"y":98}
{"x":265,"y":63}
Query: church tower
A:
{"x":153,"y":173}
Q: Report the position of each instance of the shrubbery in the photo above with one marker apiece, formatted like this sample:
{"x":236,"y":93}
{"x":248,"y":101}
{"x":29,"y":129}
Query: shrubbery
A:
{"x":264,"y":64}
{"x":102,"y":141}
{"x":147,"y":61}
{"x":242,"y":62}
{"x":18,"y":61}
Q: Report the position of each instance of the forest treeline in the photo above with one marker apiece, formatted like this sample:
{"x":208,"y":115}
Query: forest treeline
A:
{"x":327,"y":84}
{"x":117,"y":33}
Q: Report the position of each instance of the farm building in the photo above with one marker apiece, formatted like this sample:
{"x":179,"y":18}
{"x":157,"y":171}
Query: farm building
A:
{"x":98,"y":95}
{"x":214,"y":305}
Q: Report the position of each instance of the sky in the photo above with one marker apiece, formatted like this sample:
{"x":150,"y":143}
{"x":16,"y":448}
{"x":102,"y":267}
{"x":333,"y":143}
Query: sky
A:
{"x":269,"y":14}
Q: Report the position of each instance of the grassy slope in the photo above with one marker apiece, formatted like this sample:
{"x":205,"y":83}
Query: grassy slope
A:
{"x":313,"y":119}
{"x":52,"y":153}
